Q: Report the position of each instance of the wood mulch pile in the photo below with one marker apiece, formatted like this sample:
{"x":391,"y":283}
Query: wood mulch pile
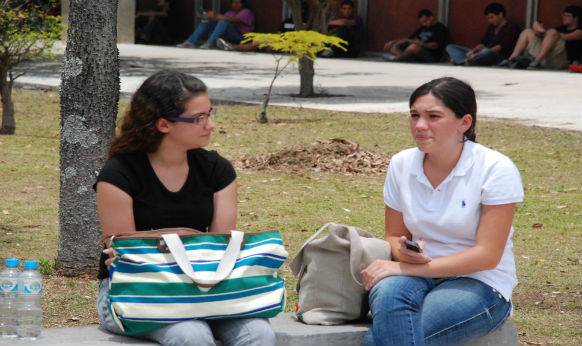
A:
{"x":336,"y":155}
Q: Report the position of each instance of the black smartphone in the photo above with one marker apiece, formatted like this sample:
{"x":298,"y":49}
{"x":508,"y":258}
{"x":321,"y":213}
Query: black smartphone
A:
{"x":412,"y":245}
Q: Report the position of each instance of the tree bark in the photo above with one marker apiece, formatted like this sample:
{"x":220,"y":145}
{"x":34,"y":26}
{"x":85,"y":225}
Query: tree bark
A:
{"x":320,"y":15}
{"x":8,"y":122}
{"x":306,"y":73}
{"x":89,"y":106}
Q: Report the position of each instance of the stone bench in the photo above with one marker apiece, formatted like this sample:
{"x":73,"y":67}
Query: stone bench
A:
{"x":289,"y":332}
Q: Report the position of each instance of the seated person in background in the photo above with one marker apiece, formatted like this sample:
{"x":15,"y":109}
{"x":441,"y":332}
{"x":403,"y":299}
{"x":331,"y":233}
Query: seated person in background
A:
{"x":286,"y":25}
{"x":426,"y":44}
{"x":230,"y":26}
{"x":152,"y":26}
{"x":348,"y":27}
{"x":552,"y":48}
{"x":495,"y":46}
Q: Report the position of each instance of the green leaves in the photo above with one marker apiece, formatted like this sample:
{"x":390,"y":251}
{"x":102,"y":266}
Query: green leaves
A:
{"x":26,"y":33}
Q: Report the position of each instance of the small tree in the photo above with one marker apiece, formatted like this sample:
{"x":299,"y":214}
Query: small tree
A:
{"x":26,"y":33}
{"x":319,"y":16}
{"x":296,"y":46}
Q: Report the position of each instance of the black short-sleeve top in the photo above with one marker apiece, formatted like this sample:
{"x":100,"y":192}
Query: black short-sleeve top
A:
{"x":154,"y":206}
{"x":573,"y":47}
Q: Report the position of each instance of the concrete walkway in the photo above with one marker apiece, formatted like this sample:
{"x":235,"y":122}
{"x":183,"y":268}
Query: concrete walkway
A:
{"x":543,"y":98}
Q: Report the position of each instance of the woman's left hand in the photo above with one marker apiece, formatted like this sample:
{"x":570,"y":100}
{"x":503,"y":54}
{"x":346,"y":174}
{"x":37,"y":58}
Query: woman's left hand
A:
{"x":109,"y":252}
{"x":378,"y":270}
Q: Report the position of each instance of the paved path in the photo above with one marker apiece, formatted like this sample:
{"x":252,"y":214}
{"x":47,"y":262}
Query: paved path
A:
{"x":543,"y":98}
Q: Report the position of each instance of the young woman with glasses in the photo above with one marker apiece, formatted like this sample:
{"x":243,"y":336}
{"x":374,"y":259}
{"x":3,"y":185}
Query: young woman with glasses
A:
{"x":157,"y":176}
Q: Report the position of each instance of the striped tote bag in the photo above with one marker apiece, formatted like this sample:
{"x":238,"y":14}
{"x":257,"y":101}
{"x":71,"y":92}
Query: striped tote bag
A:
{"x":170,"y":275}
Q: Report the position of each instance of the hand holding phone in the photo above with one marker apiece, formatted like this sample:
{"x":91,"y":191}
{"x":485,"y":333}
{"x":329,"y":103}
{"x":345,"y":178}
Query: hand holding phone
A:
{"x":412,"y":245}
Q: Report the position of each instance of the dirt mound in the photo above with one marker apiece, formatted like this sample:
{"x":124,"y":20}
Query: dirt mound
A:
{"x":336,"y":155}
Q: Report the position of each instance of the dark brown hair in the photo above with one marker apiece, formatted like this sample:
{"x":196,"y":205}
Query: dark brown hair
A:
{"x":163,"y":95}
{"x":456,"y":95}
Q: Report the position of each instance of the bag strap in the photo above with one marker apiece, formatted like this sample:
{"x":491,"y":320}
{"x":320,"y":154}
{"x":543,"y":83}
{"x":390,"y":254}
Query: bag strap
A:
{"x":356,"y":253}
{"x":176,"y":247}
{"x":153,"y":234}
{"x":296,"y":262}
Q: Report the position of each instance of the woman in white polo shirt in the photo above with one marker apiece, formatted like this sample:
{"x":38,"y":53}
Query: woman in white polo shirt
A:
{"x":456,"y":199}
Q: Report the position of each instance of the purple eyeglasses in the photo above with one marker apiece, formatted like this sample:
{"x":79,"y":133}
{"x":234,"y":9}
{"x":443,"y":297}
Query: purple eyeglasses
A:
{"x":200,"y":119}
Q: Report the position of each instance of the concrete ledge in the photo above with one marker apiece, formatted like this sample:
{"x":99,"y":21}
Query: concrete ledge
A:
{"x":289,"y":332}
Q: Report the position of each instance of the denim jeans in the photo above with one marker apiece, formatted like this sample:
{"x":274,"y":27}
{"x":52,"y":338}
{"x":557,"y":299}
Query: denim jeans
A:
{"x":409,"y":310}
{"x":346,"y":34}
{"x":485,"y":56}
{"x":244,"y":331}
{"x":221,"y":29}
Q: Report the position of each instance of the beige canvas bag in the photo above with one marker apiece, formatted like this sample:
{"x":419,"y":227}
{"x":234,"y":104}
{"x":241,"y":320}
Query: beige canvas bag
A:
{"x":328,"y":268}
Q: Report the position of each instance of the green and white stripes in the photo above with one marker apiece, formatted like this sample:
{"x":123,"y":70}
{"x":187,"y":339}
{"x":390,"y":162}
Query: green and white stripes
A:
{"x":148,"y":289}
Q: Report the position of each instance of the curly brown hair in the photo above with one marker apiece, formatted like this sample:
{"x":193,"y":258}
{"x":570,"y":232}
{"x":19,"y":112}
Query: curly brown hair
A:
{"x":163,"y":95}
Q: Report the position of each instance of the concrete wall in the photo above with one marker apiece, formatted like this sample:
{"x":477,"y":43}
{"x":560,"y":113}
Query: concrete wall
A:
{"x":125,"y":21}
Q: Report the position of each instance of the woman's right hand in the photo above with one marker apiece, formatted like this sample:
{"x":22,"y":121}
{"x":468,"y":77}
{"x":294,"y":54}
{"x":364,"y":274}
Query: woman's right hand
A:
{"x":406,"y":255}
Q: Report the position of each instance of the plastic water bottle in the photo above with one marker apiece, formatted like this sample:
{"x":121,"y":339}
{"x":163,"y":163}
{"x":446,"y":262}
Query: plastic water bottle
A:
{"x":29,"y":321}
{"x":9,"y":298}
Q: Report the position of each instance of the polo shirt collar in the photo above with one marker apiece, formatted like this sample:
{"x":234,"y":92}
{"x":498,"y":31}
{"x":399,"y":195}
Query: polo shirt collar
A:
{"x":463,"y":165}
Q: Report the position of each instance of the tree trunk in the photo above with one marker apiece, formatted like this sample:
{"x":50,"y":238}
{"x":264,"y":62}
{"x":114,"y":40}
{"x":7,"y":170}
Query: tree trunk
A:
{"x":89,"y":105}
{"x":8,"y":123}
{"x":323,"y":11}
{"x":297,"y":14}
{"x":320,"y":14}
{"x":306,"y":72}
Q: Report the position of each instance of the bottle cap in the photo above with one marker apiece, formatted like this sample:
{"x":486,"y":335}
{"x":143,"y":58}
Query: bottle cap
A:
{"x":30,"y":265}
{"x":12,"y":262}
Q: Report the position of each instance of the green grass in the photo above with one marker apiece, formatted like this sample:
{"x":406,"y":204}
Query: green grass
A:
{"x":548,"y":299}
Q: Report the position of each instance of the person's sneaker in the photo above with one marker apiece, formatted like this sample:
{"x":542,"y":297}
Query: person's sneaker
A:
{"x":520,"y":62}
{"x":186,"y":44}
{"x":503,"y":63}
{"x":389,"y":57}
{"x":222,"y":44}
{"x":328,"y":53}
{"x":207,"y":45}
{"x":534,"y":65}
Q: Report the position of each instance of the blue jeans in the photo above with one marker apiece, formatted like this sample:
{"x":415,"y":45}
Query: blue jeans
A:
{"x":409,"y":310}
{"x":485,"y":56}
{"x":244,"y":331}
{"x":221,"y":29}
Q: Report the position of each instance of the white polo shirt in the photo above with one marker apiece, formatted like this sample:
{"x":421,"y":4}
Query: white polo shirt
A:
{"x":447,"y":217}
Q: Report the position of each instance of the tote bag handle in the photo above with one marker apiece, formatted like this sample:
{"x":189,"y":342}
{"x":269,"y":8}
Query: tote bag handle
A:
{"x":357,"y":250}
{"x":176,"y":247}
